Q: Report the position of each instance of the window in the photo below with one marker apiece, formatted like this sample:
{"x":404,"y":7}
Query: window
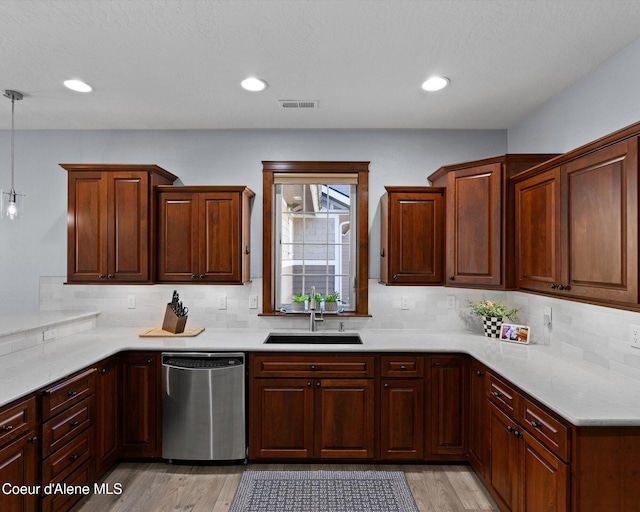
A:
{"x":315,"y":229}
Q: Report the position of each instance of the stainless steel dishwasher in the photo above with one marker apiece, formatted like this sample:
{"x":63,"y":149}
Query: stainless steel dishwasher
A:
{"x":203,"y":406}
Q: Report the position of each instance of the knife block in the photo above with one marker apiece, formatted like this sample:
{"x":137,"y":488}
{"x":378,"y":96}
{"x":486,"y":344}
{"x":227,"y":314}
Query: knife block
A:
{"x":172,"y":322}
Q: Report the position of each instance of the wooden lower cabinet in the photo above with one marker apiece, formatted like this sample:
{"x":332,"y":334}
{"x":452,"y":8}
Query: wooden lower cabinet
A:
{"x":524,"y":476}
{"x":402,"y":419}
{"x":448,"y":383}
{"x":478,"y":448}
{"x":108,"y":431}
{"x":141,"y":414}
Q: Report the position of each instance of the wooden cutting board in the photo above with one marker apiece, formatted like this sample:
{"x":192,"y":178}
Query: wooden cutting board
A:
{"x":157,"y":332}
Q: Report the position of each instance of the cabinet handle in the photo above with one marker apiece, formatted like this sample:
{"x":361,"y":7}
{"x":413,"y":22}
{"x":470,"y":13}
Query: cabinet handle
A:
{"x":479,"y":373}
{"x":554,"y":286}
{"x":74,"y":423}
{"x":395,"y":276}
{"x":518,"y":434}
{"x":6,"y":428}
{"x":33,"y":439}
{"x":72,"y":393}
{"x":536,"y":424}
{"x":382,"y":253}
{"x":103,"y":371}
{"x":452,"y":278}
{"x":497,"y":394}
{"x":247,"y":250}
{"x":74,"y":456}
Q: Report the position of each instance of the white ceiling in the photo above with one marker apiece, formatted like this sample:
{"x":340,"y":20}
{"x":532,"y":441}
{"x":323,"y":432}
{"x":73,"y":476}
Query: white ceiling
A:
{"x":177,"y":64}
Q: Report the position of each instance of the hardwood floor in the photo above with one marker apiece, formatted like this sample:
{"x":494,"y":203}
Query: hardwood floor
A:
{"x":161,"y":487}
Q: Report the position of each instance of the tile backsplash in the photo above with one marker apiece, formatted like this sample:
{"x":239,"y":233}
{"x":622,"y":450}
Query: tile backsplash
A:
{"x":595,"y":334}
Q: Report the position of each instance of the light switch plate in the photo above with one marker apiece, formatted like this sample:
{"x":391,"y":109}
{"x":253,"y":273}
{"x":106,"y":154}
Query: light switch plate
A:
{"x":131,"y":302}
{"x":222,"y":302}
{"x":253,"y":302}
{"x":635,"y":335}
{"x":451,"y":302}
{"x":404,"y":302}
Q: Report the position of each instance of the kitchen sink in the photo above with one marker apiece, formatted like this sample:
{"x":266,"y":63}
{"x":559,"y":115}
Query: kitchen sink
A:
{"x":314,"y":338}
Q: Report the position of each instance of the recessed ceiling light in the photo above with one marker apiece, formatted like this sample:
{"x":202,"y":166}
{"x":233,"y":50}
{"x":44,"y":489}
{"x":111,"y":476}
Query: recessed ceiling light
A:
{"x":78,"y":86}
{"x":253,"y":84}
{"x":435,"y":83}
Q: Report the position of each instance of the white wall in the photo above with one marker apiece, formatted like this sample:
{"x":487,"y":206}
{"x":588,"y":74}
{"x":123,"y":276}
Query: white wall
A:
{"x":37,"y":245}
{"x":601,"y":102}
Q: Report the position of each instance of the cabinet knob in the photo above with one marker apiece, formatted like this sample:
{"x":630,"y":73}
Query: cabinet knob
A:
{"x":110,"y":276}
{"x":436,"y":363}
{"x":403,"y":367}
{"x":313,"y":366}
{"x":101,"y":276}
{"x":479,"y":373}
{"x":308,"y":384}
{"x":510,"y":428}
{"x":382,"y":253}
{"x":193,"y":277}
{"x":452,"y":278}
{"x":536,"y":424}
{"x":6,"y":428}
{"x":33,"y":439}
{"x":518,"y":434}
{"x":74,"y":423}
{"x":149,"y":361}
{"x":72,"y":393}
{"x":386,"y":385}
{"x":247,"y":250}
{"x":395,"y":276}
{"x":103,"y":371}
{"x":74,"y":456}
{"x":318,"y":384}
{"x":554,"y":286}
{"x":497,"y":394}
{"x":201,"y":277}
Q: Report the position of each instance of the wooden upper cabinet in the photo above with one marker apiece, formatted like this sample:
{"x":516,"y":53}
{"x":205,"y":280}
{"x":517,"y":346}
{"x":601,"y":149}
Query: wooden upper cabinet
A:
{"x":479,"y":219}
{"x":203,"y":234}
{"x":412,"y":230}
{"x":577,"y":225}
{"x":538,"y":231}
{"x":110,"y":222}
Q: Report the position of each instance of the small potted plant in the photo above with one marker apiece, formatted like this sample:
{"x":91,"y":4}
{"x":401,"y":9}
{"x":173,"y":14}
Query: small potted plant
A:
{"x":492,"y":313}
{"x":331,"y":302}
{"x":298,"y":302}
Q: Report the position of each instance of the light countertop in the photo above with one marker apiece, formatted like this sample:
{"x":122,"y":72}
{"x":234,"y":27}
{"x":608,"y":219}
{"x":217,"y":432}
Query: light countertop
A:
{"x":580,"y":392}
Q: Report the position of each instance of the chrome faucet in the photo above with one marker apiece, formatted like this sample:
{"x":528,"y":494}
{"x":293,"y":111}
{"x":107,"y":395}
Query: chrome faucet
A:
{"x":312,"y":311}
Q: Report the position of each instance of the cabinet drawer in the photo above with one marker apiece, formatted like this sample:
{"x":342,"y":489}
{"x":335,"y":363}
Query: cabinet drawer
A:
{"x":17,"y":420}
{"x":503,"y":395}
{"x":68,"y":458}
{"x":59,"y":430}
{"x":63,"y":501}
{"x":313,"y":365}
{"x":545,"y":427}
{"x":66,"y":393}
{"x":402,"y":366}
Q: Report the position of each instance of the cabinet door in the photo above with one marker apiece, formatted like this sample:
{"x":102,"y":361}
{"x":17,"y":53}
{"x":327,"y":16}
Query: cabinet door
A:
{"x":504,"y":460}
{"x":281,"y":419}
{"x":600,"y":224}
{"x":473,"y":222}
{"x":402,"y":419}
{"x":178,"y":250}
{"x":538,"y":257}
{"x":478,"y":419}
{"x":87,"y":242}
{"x":18,"y":466}
{"x":344,"y":412}
{"x":141,"y":414}
{"x":107,"y":445}
{"x":449,"y":388}
{"x":128,"y":240}
{"x":544,"y":477}
{"x":220,"y":237}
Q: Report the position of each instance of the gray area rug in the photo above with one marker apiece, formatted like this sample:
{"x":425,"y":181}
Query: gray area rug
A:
{"x":323,"y":491}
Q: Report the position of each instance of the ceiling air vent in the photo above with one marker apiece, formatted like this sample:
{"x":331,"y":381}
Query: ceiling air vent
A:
{"x":298,"y":104}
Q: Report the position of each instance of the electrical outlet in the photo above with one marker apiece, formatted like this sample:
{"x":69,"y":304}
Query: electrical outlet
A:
{"x":404,"y":302}
{"x":451,"y":302}
{"x":48,"y":335}
{"x":131,"y":302}
{"x":253,"y":302}
{"x":635,"y":336}
{"x":222,"y":302}
{"x":547,"y":315}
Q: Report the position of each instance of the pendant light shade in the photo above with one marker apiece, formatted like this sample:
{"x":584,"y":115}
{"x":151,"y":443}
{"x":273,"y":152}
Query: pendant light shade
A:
{"x":11,"y":204}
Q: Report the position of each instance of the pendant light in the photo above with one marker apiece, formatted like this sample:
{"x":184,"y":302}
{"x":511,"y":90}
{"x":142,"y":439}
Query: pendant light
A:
{"x":11,"y":202}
